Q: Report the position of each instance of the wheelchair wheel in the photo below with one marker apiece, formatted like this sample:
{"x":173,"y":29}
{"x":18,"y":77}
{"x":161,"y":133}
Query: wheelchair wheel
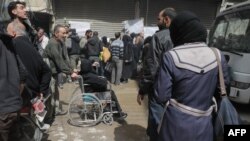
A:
{"x":107,"y":118}
{"x":85,"y":110}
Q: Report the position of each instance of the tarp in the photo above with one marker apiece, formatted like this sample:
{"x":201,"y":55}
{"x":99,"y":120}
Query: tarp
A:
{"x":80,"y":27}
{"x":133,"y":26}
{"x":39,"y":6}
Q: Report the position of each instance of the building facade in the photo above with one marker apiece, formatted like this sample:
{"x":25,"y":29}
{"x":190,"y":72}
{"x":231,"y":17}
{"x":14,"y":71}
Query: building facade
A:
{"x":106,"y":16}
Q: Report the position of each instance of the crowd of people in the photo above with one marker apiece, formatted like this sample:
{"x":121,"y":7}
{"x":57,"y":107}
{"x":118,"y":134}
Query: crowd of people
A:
{"x":178,"y":68}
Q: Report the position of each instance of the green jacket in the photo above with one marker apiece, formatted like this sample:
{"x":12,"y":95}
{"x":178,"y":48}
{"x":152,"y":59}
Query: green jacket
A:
{"x":56,"y":52}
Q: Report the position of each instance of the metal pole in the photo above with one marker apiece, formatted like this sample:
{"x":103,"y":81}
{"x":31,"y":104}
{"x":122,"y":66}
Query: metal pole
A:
{"x":146,"y":17}
{"x":137,"y":9}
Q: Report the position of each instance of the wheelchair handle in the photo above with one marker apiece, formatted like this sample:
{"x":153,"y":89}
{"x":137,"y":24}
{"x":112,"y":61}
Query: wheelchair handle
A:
{"x":80,"y":80}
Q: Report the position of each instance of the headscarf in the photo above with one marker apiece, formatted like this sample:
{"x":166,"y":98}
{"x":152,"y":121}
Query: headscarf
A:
{"x":132,"y":35}
{"x":187,"y":28}
{"x":126,"y":40}
{"x":105,"y":40}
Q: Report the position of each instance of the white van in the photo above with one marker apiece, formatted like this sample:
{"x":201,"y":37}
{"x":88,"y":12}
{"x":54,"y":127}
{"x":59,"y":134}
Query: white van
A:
{"x":231,"y":34}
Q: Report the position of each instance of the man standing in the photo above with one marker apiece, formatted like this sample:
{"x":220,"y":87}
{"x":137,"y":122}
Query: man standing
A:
{"x":93,"y":49}
{"x":73,"y":47}
{"x":39,"y":74}
{"x":18,"y":13}
{"x":117,"y":47}
{"x":41,"y":40}
{"x":83,"y":42}
{"x":57,"y":56}
{"x":160,"y":43}
{"x":12,"y":74}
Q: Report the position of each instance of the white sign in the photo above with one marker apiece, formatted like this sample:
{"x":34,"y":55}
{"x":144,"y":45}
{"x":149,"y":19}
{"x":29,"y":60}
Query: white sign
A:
{"x":80,"y":27}
{"x":150,"y":30}
{"x":133,"y":26}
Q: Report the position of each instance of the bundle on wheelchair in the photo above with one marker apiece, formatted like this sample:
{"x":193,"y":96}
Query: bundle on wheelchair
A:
{"x":90,"y":108}
{"x":29,"y":126}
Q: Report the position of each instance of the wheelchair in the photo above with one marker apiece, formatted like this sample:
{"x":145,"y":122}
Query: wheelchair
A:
{"x":88,"y":109}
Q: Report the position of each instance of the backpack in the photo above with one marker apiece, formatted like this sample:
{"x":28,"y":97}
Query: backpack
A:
{"x":106,"y":54}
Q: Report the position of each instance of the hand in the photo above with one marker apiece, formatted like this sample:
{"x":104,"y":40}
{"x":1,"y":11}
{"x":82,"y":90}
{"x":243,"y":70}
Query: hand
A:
{"x":21,"y":87}
{"x":95,"y":64}
{"x":140,"y":98}
{"x":75,"y":71}
{"x":74,"y":75}
{"x":41,"y":96}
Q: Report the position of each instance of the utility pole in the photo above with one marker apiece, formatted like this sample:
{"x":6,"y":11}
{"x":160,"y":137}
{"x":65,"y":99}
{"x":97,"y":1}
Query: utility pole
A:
{"x":137,"y":9}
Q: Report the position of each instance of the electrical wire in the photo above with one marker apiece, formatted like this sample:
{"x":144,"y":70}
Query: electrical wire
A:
{"x":147,"y":9}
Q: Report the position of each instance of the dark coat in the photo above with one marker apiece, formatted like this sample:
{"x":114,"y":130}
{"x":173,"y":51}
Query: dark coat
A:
{"x":189,"y":76}
{"x":191,"y":89}
{"x":39,"y":74}
{"x":93,"y":47}
{"x":75,"y":47}
{"x":57,"y":54}
{"x":10,"y":98}
{"x":128,"y":57}
{"x":159,"y":44}
{"x":97,"y":83}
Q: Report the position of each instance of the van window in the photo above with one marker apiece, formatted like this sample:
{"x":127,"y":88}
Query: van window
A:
{"x":232,"y":32}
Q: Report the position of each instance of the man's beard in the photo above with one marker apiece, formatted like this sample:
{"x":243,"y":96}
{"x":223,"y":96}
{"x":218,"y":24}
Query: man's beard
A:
{"x":162,"y":26}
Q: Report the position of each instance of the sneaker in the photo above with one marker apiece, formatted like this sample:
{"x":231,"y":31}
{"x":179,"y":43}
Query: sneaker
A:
{"x":69,"y":80}
{"x":118,"y":84}
{"x":61,"y":112}
{"x":124,"y":82}
{"x":45,"y":127}
{"x":60,"y":86}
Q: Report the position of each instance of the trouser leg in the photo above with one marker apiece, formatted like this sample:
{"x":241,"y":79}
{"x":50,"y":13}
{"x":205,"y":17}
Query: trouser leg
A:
{"x":50,"y":105}
{"x":57,"y":100}
{"x":114,"y":98}
{"x":154,"y":117}
{"x":119,"y":71}
{"x":113,"y":73}
{"x":100,"y":69}
{"x":60,"y":79}
{"x":56,"y":96}
{"x":6,"y":123}
{"x":74,"y":60}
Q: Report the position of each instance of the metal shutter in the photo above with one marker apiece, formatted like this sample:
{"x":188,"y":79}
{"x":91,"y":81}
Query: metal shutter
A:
{"x":205,"y":9}
{"x":105,"y":16}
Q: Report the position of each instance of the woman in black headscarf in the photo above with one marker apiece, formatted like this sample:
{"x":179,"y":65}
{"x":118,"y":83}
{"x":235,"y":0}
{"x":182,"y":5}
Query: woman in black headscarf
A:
{"x":128,"y":58}
{"x":188,"y":79}
{"x":187,"y":28}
